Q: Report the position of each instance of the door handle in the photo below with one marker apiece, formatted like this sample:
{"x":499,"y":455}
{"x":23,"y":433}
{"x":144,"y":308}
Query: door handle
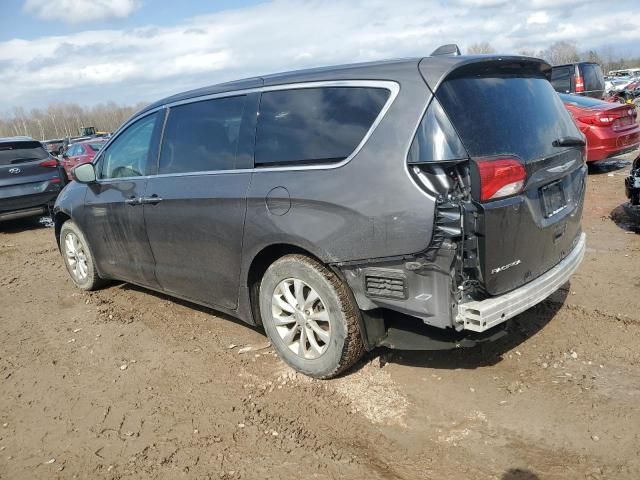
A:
{"x":133,"y":201}
{"x":152,"y":200}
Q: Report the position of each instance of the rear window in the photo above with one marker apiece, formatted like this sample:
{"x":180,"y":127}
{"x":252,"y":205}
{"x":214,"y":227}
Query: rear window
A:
{"x":580,"y":101}
{"x":21,"y":152}
{"x":315,"y":125}
{"x":561,"y":79}
{"x":593,"y":77}
{"x":96,"y":146}
{"x":506,"y":115}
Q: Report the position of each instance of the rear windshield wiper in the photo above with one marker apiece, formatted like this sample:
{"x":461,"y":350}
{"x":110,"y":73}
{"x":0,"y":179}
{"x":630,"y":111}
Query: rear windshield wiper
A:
{"x":23,"y":160}
{"x":569,"y":142}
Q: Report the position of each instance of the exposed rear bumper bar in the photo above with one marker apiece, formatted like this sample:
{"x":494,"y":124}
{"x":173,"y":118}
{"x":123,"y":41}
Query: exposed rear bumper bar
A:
{"x":479,"y":316}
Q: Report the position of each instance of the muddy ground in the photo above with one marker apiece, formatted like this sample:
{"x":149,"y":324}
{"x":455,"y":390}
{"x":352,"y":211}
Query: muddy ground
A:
{"x":126,"y":383}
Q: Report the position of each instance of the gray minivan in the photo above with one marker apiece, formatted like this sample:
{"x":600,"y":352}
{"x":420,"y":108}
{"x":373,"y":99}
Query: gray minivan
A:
{"x":447,"y":188}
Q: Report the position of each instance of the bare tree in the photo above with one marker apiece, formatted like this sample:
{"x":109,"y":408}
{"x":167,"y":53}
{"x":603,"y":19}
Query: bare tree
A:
{"x":480,"y":47}
{"x":528,"y":53}
{"x":64,"y":120}
{"x":561,"y":52}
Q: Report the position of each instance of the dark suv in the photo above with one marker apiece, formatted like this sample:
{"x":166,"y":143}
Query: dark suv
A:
{"x":447,"y":188}
{"x":581,"y":78}
{"x":30,"y":178}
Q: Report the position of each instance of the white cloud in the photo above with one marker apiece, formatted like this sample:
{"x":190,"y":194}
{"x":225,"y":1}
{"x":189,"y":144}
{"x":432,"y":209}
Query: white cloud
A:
{"x":150,"y":62}
{"x":540,"y":17}
{"x":76,"y":11}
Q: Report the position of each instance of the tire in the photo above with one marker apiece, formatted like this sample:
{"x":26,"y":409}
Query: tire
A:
{"x":327,"y":328}
{"x":79,"y":263}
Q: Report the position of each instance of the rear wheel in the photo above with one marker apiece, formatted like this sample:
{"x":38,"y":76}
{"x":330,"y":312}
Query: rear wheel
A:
{"x":310,"y":316}
{"x":78,"y":257}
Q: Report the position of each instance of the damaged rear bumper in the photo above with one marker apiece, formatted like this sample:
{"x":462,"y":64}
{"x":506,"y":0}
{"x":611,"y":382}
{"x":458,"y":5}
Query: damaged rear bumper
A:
{"x":479,"y":316}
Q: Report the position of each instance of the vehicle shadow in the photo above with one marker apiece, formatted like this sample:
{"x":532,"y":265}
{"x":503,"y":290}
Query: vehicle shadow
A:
{"x":626,"y":217}
{"x":24,"y":224}
{"x":520,"y":328}
{"x":519,"y":474}
{"x":606,"y":166}
{"x":185,"y":303}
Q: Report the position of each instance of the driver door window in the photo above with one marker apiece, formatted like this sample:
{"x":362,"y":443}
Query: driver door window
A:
{"x":128,"y":155}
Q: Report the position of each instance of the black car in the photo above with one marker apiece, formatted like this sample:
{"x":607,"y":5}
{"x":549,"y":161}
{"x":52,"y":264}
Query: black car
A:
{"x":580,"y":78}
{"x":632,"y":184}
{"x":447,"y":188}
{"x":30,"y":178}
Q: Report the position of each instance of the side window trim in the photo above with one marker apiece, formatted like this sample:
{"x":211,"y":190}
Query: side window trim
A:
{"x":392,"y":86}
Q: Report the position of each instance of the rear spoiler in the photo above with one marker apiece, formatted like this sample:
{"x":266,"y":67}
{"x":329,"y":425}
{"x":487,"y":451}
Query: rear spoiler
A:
{"x":435,"y":69}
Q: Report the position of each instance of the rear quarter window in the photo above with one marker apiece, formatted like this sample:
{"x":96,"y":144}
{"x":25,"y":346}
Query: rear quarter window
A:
{"x":315,"y":125}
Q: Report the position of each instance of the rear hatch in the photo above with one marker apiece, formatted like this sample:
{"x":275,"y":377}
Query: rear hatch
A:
{"x":29,"y":176}
{"x":527,"y":167}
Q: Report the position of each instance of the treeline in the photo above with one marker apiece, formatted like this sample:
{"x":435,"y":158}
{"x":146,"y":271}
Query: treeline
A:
{"x":64,"y":120}
{"x":567,"y":52}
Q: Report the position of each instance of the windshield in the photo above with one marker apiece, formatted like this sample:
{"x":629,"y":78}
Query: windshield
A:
{"x":20,"y":152}
{"x":580,"y":101}
{"x":506,"y":115}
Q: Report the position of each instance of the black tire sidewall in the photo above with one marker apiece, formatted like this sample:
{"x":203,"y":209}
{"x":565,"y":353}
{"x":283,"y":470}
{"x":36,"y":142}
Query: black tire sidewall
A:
{"x":329,"y":362}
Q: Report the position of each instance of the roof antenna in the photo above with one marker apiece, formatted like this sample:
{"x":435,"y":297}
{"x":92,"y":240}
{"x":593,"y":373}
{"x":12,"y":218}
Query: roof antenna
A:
{"x":449,"y":49}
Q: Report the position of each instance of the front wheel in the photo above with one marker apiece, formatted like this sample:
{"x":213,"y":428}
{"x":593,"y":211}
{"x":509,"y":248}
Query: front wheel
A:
{"x":310,"y":316}
{"x":78,"y":257}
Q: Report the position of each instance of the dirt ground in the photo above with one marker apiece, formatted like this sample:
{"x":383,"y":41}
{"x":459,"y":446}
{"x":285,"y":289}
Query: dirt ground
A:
{"x":125,"y":383}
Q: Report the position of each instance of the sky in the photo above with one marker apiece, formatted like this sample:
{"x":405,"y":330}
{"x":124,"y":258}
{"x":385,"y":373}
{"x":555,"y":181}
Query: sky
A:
{"x":130,"y":51}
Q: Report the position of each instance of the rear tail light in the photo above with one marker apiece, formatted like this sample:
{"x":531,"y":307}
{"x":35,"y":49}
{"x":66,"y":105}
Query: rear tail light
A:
{"x":51,"y":163}
{"x":500,"y":177}
{"x":579,"y":84}
{"x":618,"y":118}
{"x":55,"y":180}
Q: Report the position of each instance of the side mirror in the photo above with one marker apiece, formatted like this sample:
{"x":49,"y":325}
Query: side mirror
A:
{"x":84,"y":173}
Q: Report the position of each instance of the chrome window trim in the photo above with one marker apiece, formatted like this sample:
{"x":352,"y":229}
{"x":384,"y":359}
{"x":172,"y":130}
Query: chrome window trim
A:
{"x":392,"y":86}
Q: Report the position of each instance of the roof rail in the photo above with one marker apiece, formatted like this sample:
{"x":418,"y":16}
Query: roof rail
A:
{"x":449,"y":49}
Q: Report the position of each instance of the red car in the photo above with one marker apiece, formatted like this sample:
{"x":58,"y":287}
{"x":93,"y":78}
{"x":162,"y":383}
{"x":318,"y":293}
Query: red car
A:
{"x":81,"y":152}
{"x":611,"y":129}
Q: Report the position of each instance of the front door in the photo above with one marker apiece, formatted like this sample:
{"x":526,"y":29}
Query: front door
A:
{"x":114,"y":219}
{"x":195,"y":207}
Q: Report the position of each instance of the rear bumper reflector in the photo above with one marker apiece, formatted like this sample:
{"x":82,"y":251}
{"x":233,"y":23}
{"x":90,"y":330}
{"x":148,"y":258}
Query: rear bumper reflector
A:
{"x":479,"y":316}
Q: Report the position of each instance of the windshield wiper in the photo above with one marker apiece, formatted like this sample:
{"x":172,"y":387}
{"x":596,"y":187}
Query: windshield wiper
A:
{"x":569,"y":142}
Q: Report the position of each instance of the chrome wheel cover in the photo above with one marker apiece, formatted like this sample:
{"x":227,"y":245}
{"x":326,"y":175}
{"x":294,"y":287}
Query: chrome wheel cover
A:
{"x":76,"y":257}
{"x":301,"y":318}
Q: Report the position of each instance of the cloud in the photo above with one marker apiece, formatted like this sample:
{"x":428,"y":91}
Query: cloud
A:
{"x":150,"y":62}
{"x":76,"y":11}
{"x":538,"y":17}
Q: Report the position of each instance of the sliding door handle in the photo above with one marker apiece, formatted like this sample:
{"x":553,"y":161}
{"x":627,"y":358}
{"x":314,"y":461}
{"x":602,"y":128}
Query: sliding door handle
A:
{"x":152,"y":200}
